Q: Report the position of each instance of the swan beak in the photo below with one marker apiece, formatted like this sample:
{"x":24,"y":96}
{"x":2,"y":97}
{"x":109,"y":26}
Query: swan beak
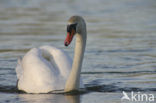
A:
{"x":69,"y":37}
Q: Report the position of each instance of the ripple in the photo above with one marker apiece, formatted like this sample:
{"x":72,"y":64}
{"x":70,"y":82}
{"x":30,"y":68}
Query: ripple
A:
{"x":8,"y":89}
{"x":130,"y":50}
{"x":6,"y":69}
{"x":115,"y":72}
{"x":89,"y":88}
{"x":113,"y":88}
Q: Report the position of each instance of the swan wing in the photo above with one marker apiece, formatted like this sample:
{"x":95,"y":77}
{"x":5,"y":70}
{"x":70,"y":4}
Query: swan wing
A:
{"x":35,"y":74}
{"x":59,"y":58}
{"x":19,"y":70}
{"x":43,"y":69}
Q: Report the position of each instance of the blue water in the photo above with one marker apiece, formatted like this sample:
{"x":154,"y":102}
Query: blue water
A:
{"x":120,"y":54}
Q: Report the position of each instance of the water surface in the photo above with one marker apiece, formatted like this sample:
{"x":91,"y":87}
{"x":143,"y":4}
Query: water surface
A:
{"x":120,"y":54}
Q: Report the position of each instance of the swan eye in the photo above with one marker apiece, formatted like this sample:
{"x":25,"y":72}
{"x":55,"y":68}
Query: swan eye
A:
{"x":70,"y":27}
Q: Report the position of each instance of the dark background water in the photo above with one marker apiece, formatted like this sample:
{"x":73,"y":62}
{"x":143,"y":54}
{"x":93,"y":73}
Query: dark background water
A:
{"x":120,"y":54}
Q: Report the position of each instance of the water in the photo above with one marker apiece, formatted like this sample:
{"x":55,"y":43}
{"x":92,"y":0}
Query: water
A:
{"x":120,"y":54}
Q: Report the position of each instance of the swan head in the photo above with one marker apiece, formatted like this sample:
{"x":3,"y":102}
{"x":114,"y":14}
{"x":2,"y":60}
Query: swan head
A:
{"x":76,"y":25}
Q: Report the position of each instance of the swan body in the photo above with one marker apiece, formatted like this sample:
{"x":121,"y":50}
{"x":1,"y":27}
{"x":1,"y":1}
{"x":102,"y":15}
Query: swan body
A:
{"x":43,"y":69}
{"x":48,"y":68}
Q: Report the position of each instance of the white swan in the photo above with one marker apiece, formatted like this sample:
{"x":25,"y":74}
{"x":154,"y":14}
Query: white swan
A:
{"x":48,"y":68}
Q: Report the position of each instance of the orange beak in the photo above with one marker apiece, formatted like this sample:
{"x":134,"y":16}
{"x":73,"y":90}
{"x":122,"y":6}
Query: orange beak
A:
{"x":69,"y":37}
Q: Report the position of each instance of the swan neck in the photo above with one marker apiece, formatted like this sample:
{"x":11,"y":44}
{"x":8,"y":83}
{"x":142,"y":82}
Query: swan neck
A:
{"x":73,"y":82}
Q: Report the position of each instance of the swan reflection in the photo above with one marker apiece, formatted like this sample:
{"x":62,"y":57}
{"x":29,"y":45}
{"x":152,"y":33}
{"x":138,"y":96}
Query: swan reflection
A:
{"x":49,"y":98}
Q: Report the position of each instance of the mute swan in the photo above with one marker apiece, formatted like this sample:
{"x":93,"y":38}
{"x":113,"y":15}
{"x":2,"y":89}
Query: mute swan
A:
{"x":48,"y":68}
